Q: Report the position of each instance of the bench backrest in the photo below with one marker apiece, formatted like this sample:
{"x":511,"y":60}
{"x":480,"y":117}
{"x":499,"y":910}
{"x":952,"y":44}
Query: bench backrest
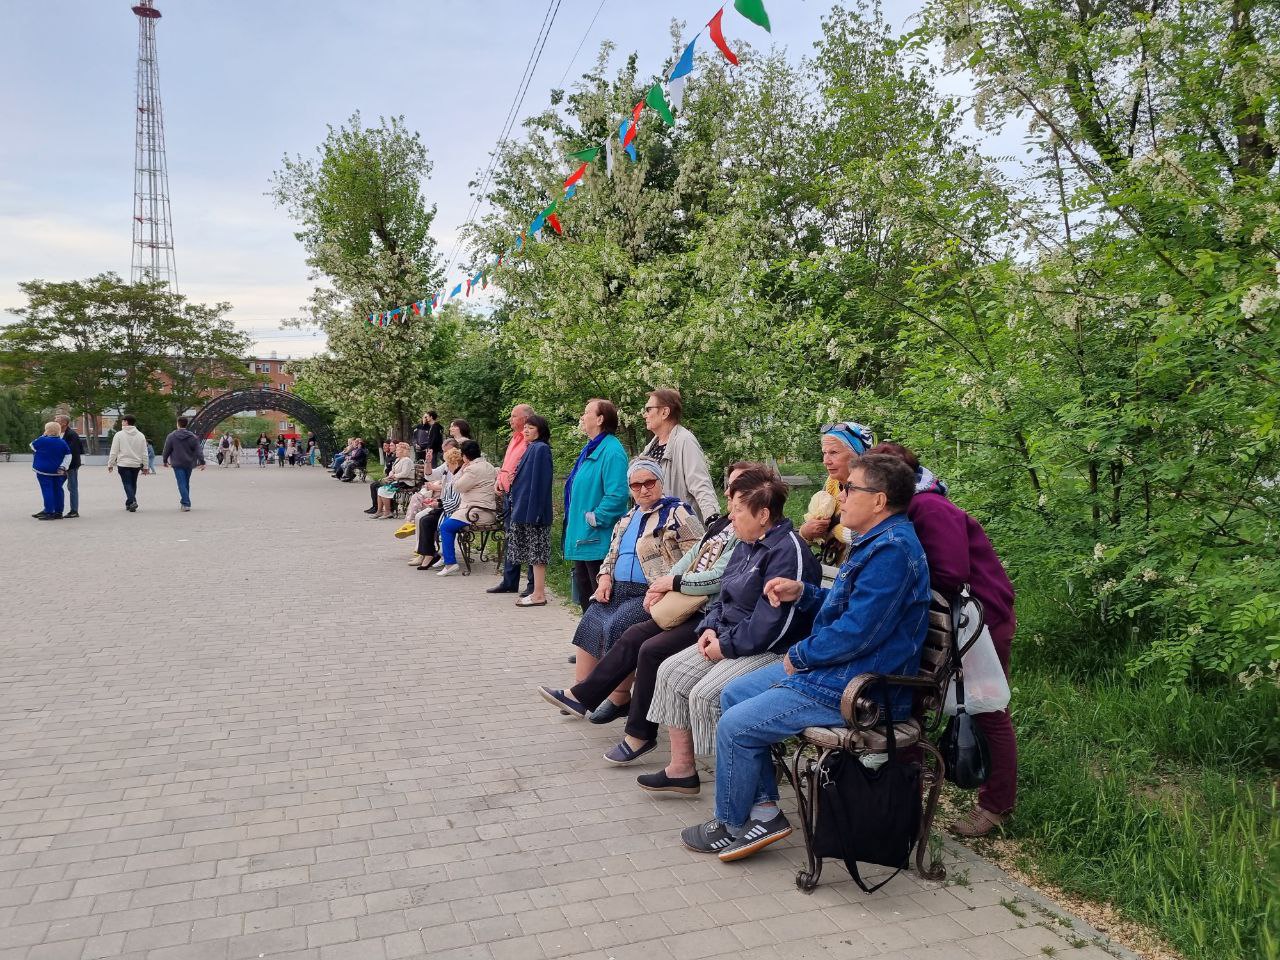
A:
{"x":935,"y":656}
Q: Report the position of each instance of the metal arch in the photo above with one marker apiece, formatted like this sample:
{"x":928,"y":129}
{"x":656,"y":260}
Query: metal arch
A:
{"x":238,"y":401}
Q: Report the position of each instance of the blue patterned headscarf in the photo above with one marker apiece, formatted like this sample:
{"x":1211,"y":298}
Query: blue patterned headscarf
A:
{"x":853,"y":435}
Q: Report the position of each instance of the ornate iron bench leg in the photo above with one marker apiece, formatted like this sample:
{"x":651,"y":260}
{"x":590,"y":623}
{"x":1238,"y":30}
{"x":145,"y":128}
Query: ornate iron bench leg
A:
{"x":804,"y":780}
{"x":932,"y":780}
{"x":464,"y":548}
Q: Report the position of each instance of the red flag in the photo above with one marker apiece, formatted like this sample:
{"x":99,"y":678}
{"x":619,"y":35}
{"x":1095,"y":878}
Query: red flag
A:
{"x":468,"y":286}
{"x":717,"y":37}
{"x":575,"y":176}
{"x":554,"y":223}
{"x":636,"y":111}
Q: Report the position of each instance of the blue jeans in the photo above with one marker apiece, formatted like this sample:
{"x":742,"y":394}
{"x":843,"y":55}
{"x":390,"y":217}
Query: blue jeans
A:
{"x":756,"y":716}
{"x":449,"y":528}
{"x":73,"y":489}
{"x":129,"y":480}
{"x":183,"y":476}
{"x":50,"y":493}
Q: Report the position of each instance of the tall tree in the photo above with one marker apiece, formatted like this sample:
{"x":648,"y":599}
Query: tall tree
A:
{"x":365,"y":226}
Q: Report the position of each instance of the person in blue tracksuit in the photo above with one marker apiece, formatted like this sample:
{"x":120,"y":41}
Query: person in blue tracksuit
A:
{"x":51,"y":458}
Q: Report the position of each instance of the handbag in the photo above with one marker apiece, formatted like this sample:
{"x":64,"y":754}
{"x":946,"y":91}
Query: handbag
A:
{"x":674,"y":608}
{"x":974,"y":655}
{"x":966,"y":755}
{"x":868,"y":816}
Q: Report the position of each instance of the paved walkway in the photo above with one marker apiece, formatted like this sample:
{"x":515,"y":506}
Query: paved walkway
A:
{"x":359,"y":768}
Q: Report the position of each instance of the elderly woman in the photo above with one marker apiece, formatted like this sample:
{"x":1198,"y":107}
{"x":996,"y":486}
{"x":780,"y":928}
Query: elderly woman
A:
{"x":842,"y":444}
{"x":679,"y":453}
{"x":401,"y":473}
{"x":647,"y":543}
{"x":51,"y":456}
{"x":444,"y":501}
{"x":478,"y":502}
{"x":529,"y":509}
{"x":595,"y":496}
{"x":958,"y":552}
{"x":740,"y":632}
{"x":677,"y":600}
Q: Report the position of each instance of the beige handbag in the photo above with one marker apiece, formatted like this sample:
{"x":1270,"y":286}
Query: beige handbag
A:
{"x":674,"y":608}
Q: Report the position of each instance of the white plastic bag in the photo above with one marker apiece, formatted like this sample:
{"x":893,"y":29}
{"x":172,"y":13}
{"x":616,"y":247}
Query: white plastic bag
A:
{"x":986,"y":689}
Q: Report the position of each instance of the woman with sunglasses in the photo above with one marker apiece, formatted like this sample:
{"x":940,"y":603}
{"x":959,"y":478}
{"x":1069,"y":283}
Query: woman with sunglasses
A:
{"x":647,"y":542}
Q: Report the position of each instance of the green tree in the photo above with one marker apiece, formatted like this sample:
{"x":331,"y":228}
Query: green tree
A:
{"x":365,"y":227}
{"x":19,"y":423}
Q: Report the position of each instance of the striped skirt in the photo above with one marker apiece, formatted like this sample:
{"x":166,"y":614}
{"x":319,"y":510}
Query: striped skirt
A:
{"x":687,"y":692}
{"x":603,"y":623}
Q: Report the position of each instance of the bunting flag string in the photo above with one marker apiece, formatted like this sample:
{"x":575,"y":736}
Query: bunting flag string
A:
{"x":664,"y":99}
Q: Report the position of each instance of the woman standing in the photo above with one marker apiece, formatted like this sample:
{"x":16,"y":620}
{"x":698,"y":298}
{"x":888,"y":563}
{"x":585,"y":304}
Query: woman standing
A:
{"x":595,"y":496}
{"x":684,"y":465}
{"x":529,"y":508}
{"x":51,"y":457}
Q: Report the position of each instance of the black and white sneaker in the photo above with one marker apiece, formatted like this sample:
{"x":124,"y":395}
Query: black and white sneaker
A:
{"x":709,"y":837}
{"x":756,"y":835}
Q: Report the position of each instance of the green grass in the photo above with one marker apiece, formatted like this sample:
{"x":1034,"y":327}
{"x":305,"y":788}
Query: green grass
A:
{"x":1163,"y":805}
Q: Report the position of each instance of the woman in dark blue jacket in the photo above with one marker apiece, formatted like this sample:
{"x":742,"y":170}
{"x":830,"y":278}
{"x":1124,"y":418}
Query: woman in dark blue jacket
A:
{"x":51,"y":457}
{"x":529,"y":510}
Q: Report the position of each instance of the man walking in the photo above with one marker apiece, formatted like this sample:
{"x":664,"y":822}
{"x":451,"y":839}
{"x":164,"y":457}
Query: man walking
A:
{"x":183,"y":451}
{"x":129,"y":455}
{"x":73,"y":471}
{"x":520,"y":415}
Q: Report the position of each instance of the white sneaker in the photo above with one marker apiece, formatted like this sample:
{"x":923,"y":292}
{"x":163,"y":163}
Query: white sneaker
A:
{"x":415,"y":560}
{"x":448,"y":570}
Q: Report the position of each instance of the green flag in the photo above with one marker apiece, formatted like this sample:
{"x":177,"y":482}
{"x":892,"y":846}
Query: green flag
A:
{"x":586,"y":156}
{"x":550,"y":210}
{"x":754,"y":11}
{"x":657,"y":99}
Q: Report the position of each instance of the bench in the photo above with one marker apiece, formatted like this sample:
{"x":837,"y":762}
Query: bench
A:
{"x":865,"y":733}
{"x":5,"y":452}
{"x":405,"y":491}
{"x":486,"y":540}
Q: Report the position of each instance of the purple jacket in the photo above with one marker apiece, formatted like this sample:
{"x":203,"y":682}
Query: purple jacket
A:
{"x":959,"y":552}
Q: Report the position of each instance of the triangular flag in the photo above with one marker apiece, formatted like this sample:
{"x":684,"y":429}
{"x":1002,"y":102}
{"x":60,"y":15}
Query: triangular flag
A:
{"x":636,"y":111}
{"x":626,"y":130}
{"x":569,"y":194}
{"x":608,"y":157}
{"x":631,"y":152}
{"x":680,"y":76}
{"x":554,"y":223}
{"x":586,"y":156}
{"x":717,"y":37}
{"x":575,"y":176}
{"x":468,"y":286}
{"x":456,"y":290}
{"x":655,"y":99}
{"x":754,"y":11}
{"x":520,"y":241}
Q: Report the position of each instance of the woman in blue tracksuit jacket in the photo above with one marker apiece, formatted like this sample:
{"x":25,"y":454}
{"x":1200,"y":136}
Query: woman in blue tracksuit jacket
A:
{"x":51,"y":457}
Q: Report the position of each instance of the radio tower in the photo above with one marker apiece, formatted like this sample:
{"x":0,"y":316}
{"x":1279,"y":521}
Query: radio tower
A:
{"x":152,"y":223}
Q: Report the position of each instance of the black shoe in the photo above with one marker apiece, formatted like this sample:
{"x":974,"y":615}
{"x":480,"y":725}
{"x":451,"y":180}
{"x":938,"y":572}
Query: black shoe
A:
{"x":54,"y":516}
{"x":608,"y":712}
{"x":501,"y":588}
{"x":73,"y":514}
{"x":709,"y":837}
{"x":131,"y":507}
{"x":527,"y":592}
{"x":573,"y":658}
{"x":561,"y":699}
{"x":660,"y":783}
{"x":42,"y":515}
{"x":430,"y":563}
{"x":755,"y":836}
{"x":372,"y":510}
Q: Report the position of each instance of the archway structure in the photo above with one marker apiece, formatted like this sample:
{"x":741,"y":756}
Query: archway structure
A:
{"x":238,"y":401}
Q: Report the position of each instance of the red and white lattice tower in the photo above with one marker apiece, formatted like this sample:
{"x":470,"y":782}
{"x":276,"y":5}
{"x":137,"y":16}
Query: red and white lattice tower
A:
{"x":152,"y":223}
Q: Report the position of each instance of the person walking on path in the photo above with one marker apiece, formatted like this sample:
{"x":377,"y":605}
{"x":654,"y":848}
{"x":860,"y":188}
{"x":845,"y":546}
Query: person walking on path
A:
{"x":51,"y":457}
{"x":235,"y":451}
{"x":224,"y":451}
{"x":520,"y":415}
{"x":151,"y":456}
{"x":73,"y":469}
{"x":129,"y":456}
{"x":281,"y":451}
{"x":183,"y":451}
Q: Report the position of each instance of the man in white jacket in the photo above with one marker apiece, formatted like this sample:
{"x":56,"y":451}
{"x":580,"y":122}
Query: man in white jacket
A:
{"x":129,"y":455}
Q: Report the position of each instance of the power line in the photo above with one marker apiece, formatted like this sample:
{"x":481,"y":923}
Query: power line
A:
{"x":586,"y":33}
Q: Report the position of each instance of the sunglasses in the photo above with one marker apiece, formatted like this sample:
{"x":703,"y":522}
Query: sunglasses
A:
{"x":846,"y":487}
{"x":642,"y":485}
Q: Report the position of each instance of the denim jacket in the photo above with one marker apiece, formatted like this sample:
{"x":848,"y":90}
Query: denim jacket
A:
{"x":873,"y":619}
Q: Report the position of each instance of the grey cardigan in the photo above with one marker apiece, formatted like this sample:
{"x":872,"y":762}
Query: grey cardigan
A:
{"x":685,"y":472}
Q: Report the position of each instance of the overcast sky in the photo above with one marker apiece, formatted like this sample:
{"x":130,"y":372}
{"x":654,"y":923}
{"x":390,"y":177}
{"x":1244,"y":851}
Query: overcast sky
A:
{"x":244,"y":83}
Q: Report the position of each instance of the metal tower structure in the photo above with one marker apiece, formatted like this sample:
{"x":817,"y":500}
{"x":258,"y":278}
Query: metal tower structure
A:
{"x":152,"y":223}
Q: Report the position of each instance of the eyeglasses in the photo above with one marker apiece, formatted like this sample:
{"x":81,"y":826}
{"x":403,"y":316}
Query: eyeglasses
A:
{"x":652,"y":409}
{"x":642,"y":485}
{"x":846,"y":487}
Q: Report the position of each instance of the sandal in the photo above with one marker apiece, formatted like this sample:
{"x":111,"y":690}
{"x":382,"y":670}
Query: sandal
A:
{"x":529,"y":602}
{"x":978,"y":822}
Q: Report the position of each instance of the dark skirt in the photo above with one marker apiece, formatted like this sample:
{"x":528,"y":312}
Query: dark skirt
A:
{"x":529,"y":543}
{"x":604,"y":623}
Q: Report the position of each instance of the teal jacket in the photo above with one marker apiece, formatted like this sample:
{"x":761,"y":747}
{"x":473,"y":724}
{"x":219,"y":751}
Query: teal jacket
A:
{"x":599,"y":488}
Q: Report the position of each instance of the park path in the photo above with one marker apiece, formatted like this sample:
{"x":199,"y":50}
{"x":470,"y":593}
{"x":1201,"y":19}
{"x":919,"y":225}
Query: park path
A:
{"x":252,"y":731}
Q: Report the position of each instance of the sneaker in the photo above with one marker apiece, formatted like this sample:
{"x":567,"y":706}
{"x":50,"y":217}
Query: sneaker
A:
{"x":566,"y":703}
{"x":661,"y":783}
{"x":73,"y":514}
{"x":709,"y":837}
{"x":978,"y":822}
{"x":448,"y":570}
{"x":131,"y":507}
{"x":42,"y":515}
{"x":415,"y":560}
{"x":755,"y":836}
{"x":186,"y":508}
{"x":622,"y":754}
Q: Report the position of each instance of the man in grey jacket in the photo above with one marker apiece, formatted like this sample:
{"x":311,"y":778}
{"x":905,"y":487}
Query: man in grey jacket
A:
{"x":183,"y":451}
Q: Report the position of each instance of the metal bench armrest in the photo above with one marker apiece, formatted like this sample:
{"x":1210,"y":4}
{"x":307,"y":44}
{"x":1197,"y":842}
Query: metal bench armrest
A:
{"x":860,"y":685}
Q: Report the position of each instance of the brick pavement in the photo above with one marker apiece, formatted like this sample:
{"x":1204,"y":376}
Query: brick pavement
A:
{"x":193,"y":765}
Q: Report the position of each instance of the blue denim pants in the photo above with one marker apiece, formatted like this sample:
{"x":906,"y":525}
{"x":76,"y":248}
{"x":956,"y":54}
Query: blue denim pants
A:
{"x":73,"y":489}
{"x":757,"y":715}
{"x":183,"y":476}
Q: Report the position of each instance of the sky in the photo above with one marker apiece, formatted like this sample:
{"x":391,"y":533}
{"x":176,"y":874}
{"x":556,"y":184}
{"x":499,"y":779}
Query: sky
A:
{"x":243,"y":84}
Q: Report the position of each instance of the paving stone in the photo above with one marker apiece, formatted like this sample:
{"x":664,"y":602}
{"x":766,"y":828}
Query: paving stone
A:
{"x":180,"y":785}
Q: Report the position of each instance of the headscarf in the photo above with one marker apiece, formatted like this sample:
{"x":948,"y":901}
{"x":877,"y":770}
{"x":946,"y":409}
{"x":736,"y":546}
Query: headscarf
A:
{"x":855,"y":436}
{"x":645,"y":465}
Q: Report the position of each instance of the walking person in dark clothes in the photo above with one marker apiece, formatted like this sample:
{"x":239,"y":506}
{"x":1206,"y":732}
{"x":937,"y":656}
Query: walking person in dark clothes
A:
{"x":183,"y":451}
{"x":73,"y":470}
